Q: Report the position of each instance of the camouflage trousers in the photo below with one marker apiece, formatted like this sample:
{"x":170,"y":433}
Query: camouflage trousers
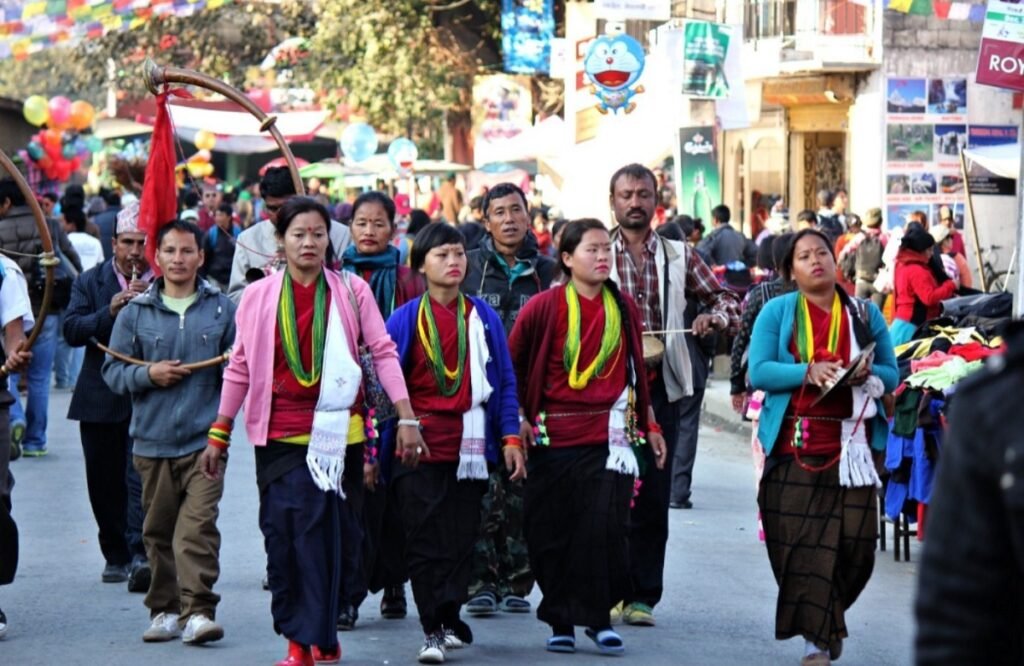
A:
{"x":501,"y":563}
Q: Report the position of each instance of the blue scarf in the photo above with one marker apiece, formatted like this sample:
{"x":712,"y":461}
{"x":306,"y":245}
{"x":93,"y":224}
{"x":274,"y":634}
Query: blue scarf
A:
{"x":384,"y":276}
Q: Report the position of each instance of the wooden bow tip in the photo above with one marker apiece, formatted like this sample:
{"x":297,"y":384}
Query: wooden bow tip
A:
{"x":268,"y":123}
{"x":152,"y":75}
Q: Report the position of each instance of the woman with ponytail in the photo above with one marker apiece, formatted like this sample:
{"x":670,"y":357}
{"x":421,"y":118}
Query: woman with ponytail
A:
{"x":579,"y":366}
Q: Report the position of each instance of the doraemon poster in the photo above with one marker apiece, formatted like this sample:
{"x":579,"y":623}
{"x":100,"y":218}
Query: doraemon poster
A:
{"x":614,"y":65}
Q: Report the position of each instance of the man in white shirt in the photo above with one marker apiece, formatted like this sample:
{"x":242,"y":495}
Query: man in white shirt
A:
{"x":16,"y":319}
{"x":67,"y":361}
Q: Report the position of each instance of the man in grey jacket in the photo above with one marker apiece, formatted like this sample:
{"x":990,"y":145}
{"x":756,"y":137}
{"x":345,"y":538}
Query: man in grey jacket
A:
{"x":180,"y":319}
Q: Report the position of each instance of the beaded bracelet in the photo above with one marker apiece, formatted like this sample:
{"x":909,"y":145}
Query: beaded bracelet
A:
{"x":653,"y":427}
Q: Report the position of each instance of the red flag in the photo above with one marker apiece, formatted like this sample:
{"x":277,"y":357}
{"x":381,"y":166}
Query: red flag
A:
{"x":159,"y":202}
{"x":942,"y":8}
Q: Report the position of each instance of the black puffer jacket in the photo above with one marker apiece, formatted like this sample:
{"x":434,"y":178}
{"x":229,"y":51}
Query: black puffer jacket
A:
{"x":488,"y":277}
{"x":970,"y":598}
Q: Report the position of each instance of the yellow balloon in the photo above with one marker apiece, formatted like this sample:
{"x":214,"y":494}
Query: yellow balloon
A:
{"x":207,"y":170}
{"x":195,"y":169}
{"x":205,"y":140}
{"x":36,"y":110}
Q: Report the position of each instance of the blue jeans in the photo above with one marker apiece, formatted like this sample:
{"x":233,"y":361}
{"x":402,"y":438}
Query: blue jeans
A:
{"x":67,"y":362}
{"x":39,"y":369}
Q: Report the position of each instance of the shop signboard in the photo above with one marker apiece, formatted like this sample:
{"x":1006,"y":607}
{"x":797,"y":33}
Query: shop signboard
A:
{"x":697,"y":177}
{"x":980,"y":179}
{"x":645,"y":10}
{"x":926,"y":128}
{"x":1001,"y":56}
{"x":705,"y":46}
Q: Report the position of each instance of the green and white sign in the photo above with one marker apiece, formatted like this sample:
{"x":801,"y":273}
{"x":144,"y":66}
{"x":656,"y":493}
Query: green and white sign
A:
{"x":705,"y":46}
{"x":697,"y":181}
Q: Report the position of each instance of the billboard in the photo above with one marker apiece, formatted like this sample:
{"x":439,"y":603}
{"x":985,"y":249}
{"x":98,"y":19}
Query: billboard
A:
{"x":697,"y":178}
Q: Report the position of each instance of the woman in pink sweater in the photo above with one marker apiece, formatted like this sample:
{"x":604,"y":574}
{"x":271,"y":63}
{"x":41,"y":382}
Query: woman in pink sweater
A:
{"x":295,"y":368}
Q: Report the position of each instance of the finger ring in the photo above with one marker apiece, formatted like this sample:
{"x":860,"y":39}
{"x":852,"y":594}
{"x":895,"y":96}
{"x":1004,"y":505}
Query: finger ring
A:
{"x":419,"y":449}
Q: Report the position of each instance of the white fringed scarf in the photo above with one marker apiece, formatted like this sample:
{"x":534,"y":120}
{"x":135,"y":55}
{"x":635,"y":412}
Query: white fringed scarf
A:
{"x":340,"y":380}
{"x":472,"y":458}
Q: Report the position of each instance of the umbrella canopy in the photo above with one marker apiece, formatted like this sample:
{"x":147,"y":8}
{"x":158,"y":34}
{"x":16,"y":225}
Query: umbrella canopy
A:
{"x":282,"y":162}
{"x":1003,"y":160}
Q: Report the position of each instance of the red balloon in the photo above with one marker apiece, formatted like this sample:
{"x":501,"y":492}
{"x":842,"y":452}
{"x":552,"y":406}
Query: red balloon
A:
{"x":52,"y":137}
{"x":45,"y":162}
{"x":76,"y":163}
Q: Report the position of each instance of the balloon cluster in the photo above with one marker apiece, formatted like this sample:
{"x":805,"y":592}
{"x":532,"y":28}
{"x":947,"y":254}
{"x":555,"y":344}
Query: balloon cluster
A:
{"x":58,"y":150}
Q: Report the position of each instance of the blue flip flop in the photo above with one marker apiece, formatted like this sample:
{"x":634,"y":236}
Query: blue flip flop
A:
{"x":607,"y":641}
{"x":564,"y":644}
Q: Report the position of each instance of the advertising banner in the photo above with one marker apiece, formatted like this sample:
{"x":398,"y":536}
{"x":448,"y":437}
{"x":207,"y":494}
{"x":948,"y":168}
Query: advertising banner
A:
{"x":527,"y":27}
{"x":981,"y":180}
{"x":705,"y":46}
{"x":1001,"y":56}
{"x":926,"y":128}
{"x":697,"y":178}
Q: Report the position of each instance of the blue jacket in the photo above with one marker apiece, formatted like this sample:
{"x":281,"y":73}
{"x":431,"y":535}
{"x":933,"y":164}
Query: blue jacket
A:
{"x":773,"y":371}
{"x":503,"y":405}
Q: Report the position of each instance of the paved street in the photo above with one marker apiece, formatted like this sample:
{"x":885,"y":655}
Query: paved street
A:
{"x":718,"y":609}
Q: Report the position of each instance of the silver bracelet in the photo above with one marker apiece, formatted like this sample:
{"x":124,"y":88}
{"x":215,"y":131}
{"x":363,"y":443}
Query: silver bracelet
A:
{"x":412,"y":423}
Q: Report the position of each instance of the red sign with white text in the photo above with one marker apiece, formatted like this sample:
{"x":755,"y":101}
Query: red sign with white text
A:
{"x":1001,"y":64}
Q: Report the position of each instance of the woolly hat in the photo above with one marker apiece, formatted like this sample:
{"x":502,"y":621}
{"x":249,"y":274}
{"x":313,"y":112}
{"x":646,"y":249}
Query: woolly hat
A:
{"x":917,"y":239}
{"x":873,"y":218}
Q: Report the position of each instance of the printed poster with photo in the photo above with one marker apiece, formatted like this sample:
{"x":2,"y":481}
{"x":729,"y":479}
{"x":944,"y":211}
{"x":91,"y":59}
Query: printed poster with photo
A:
{"x":993,"y":138}
{"x":926,"y":128}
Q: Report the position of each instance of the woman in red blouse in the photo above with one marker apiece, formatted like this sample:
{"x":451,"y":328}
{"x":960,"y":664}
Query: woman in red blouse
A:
{"x":579,"y":365}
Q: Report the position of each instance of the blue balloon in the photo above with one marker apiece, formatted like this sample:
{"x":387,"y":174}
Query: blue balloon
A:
{"x":402,"y":153}
{"x":358,"y":142}
{"x":35,"y":151}
{"x":70,"y":150}
{"x":94,"y":144}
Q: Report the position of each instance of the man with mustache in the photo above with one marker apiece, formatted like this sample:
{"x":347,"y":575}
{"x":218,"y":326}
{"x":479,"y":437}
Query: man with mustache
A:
{"x":506,"y":270}
{"x":658,"y":273}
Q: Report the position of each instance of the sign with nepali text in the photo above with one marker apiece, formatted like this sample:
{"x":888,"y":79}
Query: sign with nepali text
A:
{"x":705,"y":46}
{"x":1001,"y":56}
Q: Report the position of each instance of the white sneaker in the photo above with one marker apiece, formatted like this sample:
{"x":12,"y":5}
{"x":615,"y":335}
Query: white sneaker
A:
{"x":164,"y":627}
{"x":200,"y":629}
{"x":3,"y":625}
{"x":433,"y":650}
{"x":451,"y":641}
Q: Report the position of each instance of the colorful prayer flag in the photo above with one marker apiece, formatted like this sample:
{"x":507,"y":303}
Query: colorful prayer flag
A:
{"x":959,"y":11}
{"x":977,"y":14}
{"x":922,"y":8}
{"x":942,"y":8}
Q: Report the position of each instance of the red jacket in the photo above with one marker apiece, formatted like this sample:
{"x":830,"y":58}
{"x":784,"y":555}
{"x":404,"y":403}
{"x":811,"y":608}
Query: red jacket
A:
{"x":914,"y":283}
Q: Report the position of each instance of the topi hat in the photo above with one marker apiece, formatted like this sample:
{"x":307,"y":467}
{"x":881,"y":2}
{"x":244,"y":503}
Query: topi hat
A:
{"x":873,"y":218}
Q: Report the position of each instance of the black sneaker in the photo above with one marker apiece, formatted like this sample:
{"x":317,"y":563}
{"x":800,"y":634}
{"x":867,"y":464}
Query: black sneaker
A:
{"x":347,"y":617}
{"x":139,"y":575}
{"x":393,"y":605}
{"x":115,"y":573}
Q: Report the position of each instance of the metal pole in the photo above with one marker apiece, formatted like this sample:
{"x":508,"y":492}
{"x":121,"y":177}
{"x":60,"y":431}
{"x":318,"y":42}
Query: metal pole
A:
{"x":1018,"y":300}
{"x":974,"y":224}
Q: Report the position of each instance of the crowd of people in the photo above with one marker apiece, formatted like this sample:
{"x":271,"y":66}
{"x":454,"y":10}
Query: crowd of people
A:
{"x":469,"y":398}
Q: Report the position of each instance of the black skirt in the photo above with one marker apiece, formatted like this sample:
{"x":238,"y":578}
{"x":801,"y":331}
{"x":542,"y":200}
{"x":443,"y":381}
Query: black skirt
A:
{"x":576,"y":525}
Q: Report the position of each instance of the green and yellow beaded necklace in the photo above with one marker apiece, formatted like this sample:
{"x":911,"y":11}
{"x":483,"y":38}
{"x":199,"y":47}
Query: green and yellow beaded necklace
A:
{"x":611,"y":338}
{"x":287,"y":324}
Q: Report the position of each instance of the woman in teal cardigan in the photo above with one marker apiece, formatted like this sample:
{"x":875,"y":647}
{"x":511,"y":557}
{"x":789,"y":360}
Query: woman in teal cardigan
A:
{"x":818,"y":492}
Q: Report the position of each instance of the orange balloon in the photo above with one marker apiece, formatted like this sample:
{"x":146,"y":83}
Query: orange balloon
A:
{"x":205,"y":140}
{"x":82,"y":115}
{"x":52,"y":137}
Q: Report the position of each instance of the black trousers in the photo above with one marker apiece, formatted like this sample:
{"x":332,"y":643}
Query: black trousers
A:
{"x":441,"y":517}
{"x":648,"y":528}
{"x":686,"y":446}
{"x":384,"y":540}
{"x":8,"y":528}
{"x":353,"y":580}
{"x":115,"y":489}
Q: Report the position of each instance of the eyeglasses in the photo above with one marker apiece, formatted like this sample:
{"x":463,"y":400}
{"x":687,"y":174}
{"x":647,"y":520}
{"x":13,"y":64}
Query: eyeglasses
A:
{"x":270,"y":208}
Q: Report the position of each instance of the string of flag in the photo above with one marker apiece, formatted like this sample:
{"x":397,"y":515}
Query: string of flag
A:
{"x":33,"y":26}
{"x":943,"y":9}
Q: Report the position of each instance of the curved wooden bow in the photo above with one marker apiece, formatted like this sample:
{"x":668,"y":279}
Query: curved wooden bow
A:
{"x":156,"y":76}
{"x":48,"y":260}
